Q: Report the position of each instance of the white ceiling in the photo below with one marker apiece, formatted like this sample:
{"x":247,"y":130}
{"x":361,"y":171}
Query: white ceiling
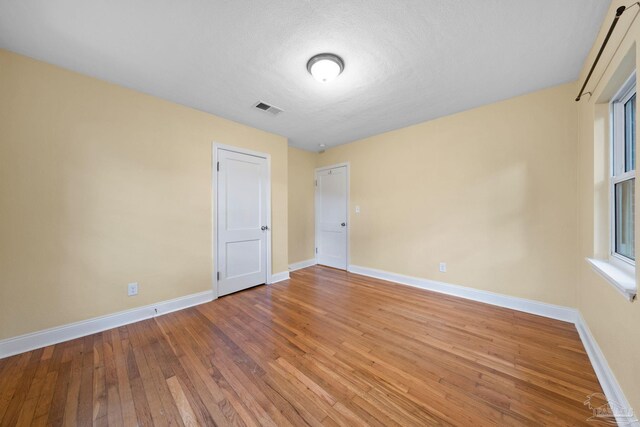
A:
{"x":406,"y":61}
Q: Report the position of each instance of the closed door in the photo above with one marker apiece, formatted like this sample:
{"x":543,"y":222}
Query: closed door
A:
{"x":242,"y":221}
{"x":331,"y":217}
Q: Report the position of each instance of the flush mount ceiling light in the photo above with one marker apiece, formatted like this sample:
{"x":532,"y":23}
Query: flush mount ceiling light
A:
{"x":325,"y":67}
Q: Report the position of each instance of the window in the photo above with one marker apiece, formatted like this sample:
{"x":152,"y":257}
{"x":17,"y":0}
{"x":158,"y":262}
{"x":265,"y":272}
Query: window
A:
{"x":619,"y":269}
{"x":623,"y":179}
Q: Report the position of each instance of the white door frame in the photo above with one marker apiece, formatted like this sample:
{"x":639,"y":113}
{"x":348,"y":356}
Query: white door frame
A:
{"x":214,"y":208}
{"x":315,"y":209}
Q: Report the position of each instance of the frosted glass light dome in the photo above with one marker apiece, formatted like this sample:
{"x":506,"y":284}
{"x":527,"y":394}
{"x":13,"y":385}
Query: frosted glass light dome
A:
{"x":325,"y":67}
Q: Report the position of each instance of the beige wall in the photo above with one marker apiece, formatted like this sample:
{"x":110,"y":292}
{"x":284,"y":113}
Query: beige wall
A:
{"x":301,"y":204}
{"x":490,"y":191}
{"x":614,"y":322}
{"x":101,"y":186}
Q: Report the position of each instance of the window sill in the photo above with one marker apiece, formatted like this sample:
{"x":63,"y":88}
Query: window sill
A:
{"x":623,"y":280}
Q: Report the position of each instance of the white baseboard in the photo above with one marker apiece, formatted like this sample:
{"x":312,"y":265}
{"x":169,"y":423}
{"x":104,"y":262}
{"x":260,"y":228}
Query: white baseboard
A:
{"x":27,"y":342}
{"x":558,"y":312}
{"x":279,"y":277}
{"x":607,"y":379}
{"x":605,"y":375}
{"x":302,"y":264}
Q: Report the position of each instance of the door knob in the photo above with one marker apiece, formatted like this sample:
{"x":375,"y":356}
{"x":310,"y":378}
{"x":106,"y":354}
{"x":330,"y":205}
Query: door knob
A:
{"x":264,"y":227}
{"x":343,"y":224}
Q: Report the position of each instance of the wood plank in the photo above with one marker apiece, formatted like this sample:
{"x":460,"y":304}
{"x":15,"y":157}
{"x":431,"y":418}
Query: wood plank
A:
{"x":186,"y":411}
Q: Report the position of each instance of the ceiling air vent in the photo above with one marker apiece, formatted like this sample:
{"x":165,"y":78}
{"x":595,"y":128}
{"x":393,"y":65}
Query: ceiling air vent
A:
{"x":268,"y":108}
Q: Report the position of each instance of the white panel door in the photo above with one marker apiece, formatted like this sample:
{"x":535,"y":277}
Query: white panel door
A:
{"x":331,"y":217}
{"x":242,"y":221}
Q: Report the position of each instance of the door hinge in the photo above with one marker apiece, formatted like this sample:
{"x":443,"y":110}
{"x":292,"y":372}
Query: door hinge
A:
{"x":316,"y":182}
{"x":218,"y":167}
{"x":218,"y":275}
{"x":316,"y":250}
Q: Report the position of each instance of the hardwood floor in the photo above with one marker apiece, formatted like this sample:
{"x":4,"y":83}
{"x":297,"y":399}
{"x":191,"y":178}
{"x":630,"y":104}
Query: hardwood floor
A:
{"x":324,"y":348}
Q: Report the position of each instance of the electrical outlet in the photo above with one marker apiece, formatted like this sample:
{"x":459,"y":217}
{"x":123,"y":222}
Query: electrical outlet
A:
{"x":357,"y":209}
{"x":132,"y":289}
{"x":443,"y":267}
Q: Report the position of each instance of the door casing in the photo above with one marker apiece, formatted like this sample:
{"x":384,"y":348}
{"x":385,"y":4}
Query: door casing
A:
{"x":215,"y":146}
{"x":324,"y":168}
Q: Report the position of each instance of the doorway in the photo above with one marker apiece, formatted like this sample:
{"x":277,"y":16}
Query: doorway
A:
{"x":242,"y":220}
{"x":332,"y":227}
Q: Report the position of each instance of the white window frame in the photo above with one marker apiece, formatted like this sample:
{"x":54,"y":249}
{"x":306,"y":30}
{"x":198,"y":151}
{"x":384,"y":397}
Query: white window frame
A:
{"x":618,"y":175}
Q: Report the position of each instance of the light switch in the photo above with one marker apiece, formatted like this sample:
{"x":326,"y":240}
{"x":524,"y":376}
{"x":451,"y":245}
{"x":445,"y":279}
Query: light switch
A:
{"x":357,"y":209}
